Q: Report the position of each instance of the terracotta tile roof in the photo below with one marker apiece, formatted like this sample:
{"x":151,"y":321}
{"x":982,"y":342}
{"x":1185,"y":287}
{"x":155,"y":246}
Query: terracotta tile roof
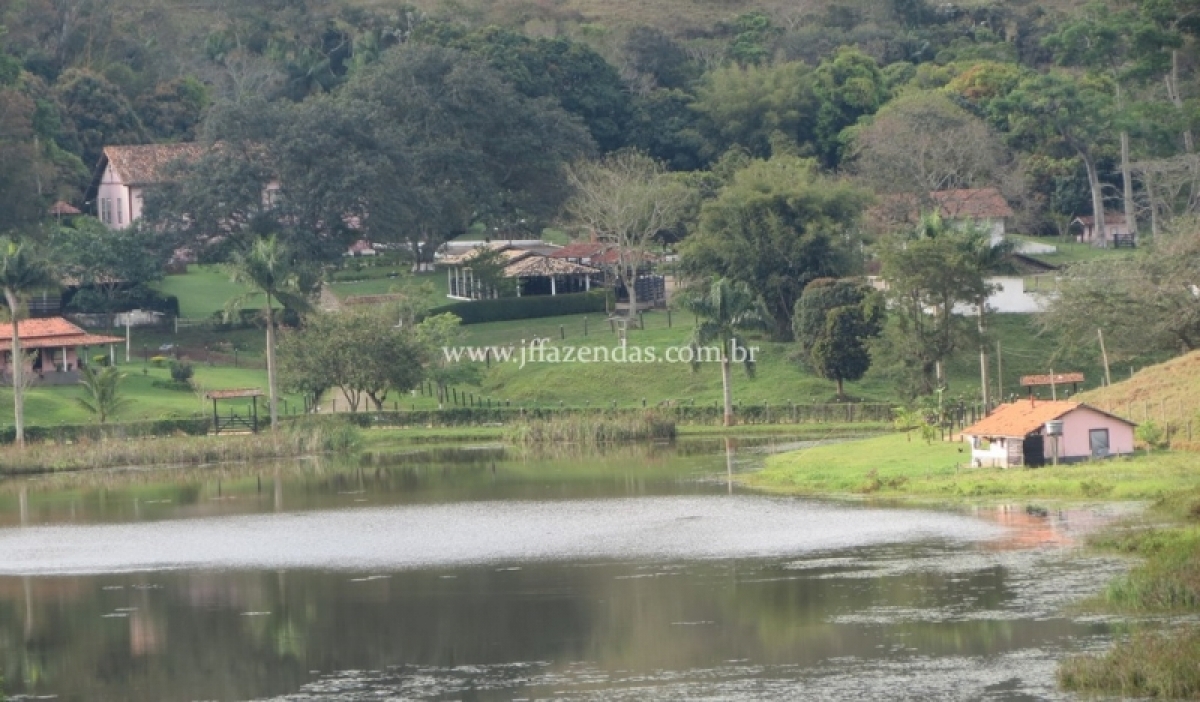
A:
{"x":40,"y":328}
{"x":581,"y":249}
{"x":143,"y":164}
{"x":534,"y":266}
{"x":976,"y":203}
{"x":1025,"y":417}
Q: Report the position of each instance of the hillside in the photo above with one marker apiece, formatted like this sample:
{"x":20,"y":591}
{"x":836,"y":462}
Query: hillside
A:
{"x":1167,"y":393}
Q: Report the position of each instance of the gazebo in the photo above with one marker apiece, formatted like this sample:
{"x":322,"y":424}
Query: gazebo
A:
{"x":233,"y":420}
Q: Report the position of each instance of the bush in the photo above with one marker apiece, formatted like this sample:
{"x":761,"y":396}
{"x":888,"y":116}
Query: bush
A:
{"x":1151,"y":435}
{"x":182,"y":371}
{"x":508,"y":308}
{"x":100,"y":359}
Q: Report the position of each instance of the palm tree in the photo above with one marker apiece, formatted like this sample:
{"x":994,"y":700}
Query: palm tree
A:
{"x":724,"y":311}
{"x":21,"y":271}
{"x":269,"y":269}
{"x":102,"y":392}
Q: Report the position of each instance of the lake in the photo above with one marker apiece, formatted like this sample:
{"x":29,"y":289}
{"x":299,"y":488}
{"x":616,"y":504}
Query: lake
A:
{"x":480,"y":573}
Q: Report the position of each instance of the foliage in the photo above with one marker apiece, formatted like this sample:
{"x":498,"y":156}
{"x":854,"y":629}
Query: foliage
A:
{"x":834,"y":323}
{"x":269,"y":268}
{"x":775,"y":227}
{"x":182,"y":371}
{"x":626,"y":199}
{"x":100,"y":112}
{"x":929,"y":273}
{"x":361,"y":354}
{"x":108,"y":261}
{"x":22,"y":270}
{"x":435,"y":334}
{"x":725,"y":312}
{"x":1148,"y":302}
{"x":592,"y":429}
{"x":102,"y":392}
{"x":922,"y":142}
{"x":481,"y":311}
{"x":1152,"y":435}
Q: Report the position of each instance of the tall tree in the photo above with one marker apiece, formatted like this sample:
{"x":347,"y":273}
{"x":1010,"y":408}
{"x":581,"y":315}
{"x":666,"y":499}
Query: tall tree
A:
{"x":922,"y":142}
{"x":776,"y":226}
{"x":928,"y":273}
{"x":22,"y":270}
{"x":626,"y":198}
{"x":835,"y":321}
{"x":269,"y":269}
{"x":1058,"y":107}
{"x":725,"y":311}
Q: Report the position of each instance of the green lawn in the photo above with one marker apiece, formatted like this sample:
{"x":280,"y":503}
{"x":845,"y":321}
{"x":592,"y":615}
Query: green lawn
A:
{"x":50,"y":405}
{"x":203,"y":291}
{"x":1071,"y":251}
{"x":897,"y":465}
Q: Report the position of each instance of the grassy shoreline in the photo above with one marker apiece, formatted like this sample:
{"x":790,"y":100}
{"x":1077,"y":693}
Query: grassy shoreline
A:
{"x":1166,"y":537}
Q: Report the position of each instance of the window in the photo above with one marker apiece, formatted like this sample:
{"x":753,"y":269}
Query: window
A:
{"x":106,"y":210}
{"x":119,"y":212}
{"x":1098,"y":439}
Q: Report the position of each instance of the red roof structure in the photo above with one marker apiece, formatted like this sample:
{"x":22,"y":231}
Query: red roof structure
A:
{"x":63,"y":209}
{"x":52,"y":332}
{"x":974,"y":203}
{"x":1024,"y":417}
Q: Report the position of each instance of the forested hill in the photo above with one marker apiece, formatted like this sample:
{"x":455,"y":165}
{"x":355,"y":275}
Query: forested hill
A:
{"x":1063,"y":100}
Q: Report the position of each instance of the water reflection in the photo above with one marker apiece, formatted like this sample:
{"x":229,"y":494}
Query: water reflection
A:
{"x":912,"y":614}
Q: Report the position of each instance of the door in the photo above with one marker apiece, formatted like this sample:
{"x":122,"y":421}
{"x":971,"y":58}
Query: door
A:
{"x":1098,"y":439}
{"x":1034,"y":451}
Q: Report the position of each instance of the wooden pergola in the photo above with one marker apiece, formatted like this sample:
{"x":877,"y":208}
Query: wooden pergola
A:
{"x":233,"y":420}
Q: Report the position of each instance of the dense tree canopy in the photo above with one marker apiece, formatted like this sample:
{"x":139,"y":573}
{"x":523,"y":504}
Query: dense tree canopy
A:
{"x":776,"y":226}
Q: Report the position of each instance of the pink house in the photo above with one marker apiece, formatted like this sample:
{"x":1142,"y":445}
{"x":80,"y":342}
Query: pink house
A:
{"x":1116,"y":231}
{"x":1016,"y":434}
{"x":125,"y":174}
{"x":51,"y":348}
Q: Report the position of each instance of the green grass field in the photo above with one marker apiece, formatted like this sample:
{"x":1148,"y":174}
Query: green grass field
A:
{"x":899,"y":465}
{"x":1072,"y":252}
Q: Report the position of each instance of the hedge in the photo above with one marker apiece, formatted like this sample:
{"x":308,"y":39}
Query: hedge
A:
{"x":95,"y":432}
{"x":509,"y":308}
{"x":683,"y":414}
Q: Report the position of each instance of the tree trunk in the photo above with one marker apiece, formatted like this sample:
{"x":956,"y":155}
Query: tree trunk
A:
{"x":841,"y":391}
{"x":983,"y":355}
{"x":1176,"y":98}
{"x":18,"y":370}
{"x":272,"y":397}
{"x":1097,"y":197}
{"x":631,"y":286}
{"x":726,"y":389}
{"x":1126,"y":175}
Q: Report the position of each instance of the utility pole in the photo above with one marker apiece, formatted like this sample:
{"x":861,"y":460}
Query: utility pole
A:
{"x":1104,"y":355}
{"x":1053,"y":386}
{"x":999,"y":373}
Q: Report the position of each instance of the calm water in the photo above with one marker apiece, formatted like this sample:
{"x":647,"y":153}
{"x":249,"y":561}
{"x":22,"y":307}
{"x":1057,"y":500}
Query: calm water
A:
{"x":477,"y":574}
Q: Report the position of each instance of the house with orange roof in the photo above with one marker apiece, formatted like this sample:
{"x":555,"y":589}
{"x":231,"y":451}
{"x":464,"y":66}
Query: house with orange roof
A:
{"x":51,"y":349}
{"x":1035,"y":432}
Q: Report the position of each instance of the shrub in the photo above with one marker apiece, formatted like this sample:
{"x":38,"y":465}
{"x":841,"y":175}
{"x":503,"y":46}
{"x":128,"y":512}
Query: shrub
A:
{"x":182,"y":371}
{"x":1151,"y":435}
{"x":508,"y":308}
{"x":100,"y":359}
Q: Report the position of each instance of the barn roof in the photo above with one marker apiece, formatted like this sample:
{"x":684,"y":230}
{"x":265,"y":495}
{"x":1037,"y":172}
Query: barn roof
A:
{"x":536,"y":266}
